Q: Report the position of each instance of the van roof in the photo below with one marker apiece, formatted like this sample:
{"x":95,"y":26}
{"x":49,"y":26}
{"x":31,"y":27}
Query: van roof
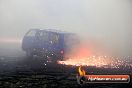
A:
{"x":53,"y":30}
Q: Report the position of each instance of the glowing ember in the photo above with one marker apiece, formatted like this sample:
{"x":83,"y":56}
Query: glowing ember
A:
{"x":85,"y":55}
{"x":90,"y":61}
{"x":98,"y":61}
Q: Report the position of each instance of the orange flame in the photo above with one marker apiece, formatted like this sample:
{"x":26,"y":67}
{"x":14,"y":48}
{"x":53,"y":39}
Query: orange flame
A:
{"x":81,"y":71}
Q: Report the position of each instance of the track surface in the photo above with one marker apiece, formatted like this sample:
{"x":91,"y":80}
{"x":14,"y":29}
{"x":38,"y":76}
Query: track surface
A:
{"x":22,"y":72}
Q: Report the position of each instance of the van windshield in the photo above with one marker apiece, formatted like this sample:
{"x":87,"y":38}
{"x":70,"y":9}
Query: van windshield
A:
{"x":31,"y":33}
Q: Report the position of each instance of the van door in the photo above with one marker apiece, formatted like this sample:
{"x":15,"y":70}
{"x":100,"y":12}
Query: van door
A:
{"x":54,"y":42}
{"x":28,"y":40}
{"x":44,"y":39}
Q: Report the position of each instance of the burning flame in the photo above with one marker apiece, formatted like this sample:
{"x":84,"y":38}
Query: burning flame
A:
{"x":81,"y":71}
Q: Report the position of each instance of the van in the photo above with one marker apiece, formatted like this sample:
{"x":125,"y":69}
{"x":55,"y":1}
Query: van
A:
{"x":48,"y":43}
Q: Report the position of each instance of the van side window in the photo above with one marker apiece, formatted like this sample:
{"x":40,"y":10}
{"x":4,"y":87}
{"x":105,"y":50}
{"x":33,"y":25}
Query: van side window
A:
{"x":54,"y":38}
{"x":31,"y":33}
{"x":44,"y":36}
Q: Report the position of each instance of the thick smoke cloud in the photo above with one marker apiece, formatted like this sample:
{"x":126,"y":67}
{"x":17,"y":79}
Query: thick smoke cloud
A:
{"x":106,"y":24}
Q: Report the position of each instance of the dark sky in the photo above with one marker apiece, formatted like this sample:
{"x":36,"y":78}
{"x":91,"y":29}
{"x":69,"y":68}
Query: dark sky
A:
{"x":108,"y":22}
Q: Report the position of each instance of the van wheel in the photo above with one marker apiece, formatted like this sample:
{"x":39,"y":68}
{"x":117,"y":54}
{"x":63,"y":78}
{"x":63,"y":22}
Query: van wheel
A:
{"x":29,"y":54}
